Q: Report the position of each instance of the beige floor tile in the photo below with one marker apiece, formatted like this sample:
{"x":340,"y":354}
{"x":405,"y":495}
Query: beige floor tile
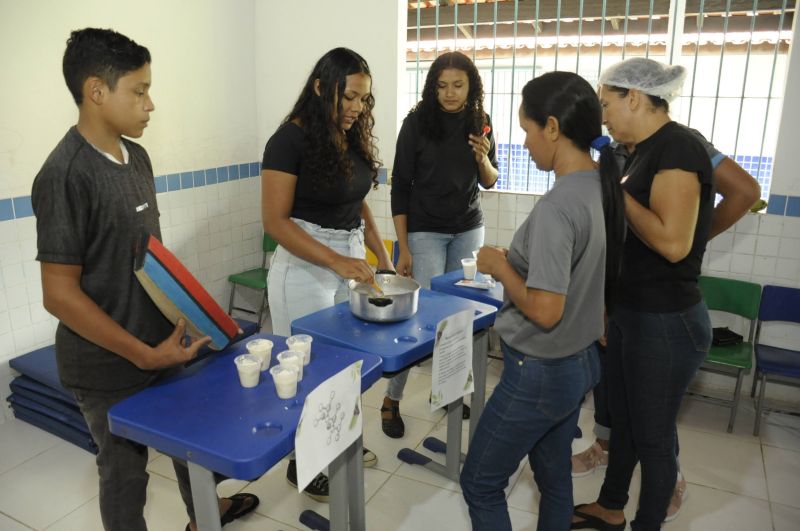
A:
{"x":709,"y":509}
{"x":785,"y":518}
{"x":64,"y":477}
{"x":713,"y":418}
{"x":21,"y":441}
{"x":780,"y":430}
{"x":722,"y":462}
{"x":783,"y":475}
{"x":385,"y":447}
{"x":7,"y":524}
{"x":403,"y":504}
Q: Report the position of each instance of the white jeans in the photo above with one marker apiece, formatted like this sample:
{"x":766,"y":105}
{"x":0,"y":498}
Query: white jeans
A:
{"x":296,"y":287}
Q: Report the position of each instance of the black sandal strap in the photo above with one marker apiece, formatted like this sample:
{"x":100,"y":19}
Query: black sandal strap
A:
{"x":394,"y":409}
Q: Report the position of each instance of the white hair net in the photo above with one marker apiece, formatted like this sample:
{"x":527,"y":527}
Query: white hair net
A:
{"x":646,"y":75}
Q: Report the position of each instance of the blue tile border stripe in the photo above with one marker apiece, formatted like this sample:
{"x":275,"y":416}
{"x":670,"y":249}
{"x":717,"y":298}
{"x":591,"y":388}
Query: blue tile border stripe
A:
{"x":776,"y":204}
{"x":21,"y":207}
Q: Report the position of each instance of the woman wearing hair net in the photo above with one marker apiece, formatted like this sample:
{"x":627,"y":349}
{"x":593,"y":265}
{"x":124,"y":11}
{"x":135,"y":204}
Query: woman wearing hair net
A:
{"x":659,"y":332}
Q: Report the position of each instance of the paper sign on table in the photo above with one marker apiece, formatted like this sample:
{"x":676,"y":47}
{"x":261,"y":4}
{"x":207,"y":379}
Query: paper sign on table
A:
{"x":452,"y":360}
{"x":330,"y":422}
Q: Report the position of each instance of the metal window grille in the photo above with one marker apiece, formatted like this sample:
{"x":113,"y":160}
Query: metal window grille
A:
{"x":735,"y":52}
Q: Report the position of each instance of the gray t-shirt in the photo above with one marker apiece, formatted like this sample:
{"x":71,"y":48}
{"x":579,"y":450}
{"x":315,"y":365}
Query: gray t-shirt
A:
{"x":560,"y":248}
{"x":91,"y":212}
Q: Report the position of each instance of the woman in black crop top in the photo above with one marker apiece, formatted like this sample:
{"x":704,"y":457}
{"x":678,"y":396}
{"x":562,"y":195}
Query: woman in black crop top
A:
{"x":444,"y":150}
{"x":659,"y":332}
{"x":317,"y":170}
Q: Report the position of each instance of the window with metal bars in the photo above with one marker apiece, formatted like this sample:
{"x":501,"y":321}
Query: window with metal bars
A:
{"x":735,"y":52}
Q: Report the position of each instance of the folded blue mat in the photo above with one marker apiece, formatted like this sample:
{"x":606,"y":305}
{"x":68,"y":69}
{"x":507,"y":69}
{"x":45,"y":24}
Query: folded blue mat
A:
{"x":23,"y":384}
{"x":39,"y":398}
{"x":71,"y":418}
{"x":58,"y":429}
{"x":25,"y":388}
{"x":40,"y":365}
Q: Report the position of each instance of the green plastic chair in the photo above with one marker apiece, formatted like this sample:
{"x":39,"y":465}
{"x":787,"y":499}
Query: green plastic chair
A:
{"x":739,"y":298}
{"x":253,"y":279}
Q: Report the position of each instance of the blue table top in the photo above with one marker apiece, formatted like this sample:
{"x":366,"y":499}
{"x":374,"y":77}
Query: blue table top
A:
{"x":399,"y":344}
{"x":447,"y":284}
{"x":204,"y":415}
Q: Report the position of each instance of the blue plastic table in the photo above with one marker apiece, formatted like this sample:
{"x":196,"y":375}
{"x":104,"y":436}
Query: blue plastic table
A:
{"x":204,"y":416}
{"x":404,"y":343}
{"x":447,"y":284}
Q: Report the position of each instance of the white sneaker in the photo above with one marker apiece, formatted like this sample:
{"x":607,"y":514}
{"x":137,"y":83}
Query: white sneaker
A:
{"x":588,"y":460}
{"x":679,"y":495}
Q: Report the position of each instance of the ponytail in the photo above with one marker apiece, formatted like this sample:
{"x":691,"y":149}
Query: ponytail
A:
{"x":614,"y":214}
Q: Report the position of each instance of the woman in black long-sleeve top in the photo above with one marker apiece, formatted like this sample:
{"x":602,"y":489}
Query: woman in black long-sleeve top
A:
{"x":444,"y":150}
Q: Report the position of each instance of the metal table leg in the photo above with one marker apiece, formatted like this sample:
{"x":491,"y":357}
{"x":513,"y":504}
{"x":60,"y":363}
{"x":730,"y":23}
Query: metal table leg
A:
{"x":204,"y":497}
{"x":480,"y":351}
{"x":452,"y":447}
{"x":346,"y":482}
{"x":355,"y":485}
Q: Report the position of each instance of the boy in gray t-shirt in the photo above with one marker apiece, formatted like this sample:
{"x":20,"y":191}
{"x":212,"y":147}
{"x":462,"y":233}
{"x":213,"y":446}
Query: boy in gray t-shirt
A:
{"x":93,"y":198}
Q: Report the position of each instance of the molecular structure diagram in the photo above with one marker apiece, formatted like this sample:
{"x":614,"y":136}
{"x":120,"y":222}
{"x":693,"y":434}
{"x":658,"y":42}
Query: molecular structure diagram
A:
{"x":331,"y":416}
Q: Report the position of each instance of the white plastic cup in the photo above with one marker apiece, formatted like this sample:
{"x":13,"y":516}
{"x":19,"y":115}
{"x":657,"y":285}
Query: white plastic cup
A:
{"x":262,"y":349}
{"x":249,"y":369}
{"x":285,"y":379}
{"x":301,"y":343}
{"x":470,"y":268}
{"x":292,"y":358}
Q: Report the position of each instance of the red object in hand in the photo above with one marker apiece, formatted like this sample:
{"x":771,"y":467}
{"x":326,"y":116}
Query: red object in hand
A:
{"x":486,"y":130}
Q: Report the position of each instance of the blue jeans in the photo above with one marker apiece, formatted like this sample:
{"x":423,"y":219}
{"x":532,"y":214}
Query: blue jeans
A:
{"x":296,"y":287}
{"x":533,"y":411}
{"x":434,"y":254}
{"x":602,"y":412}
{"x":650,"y":361}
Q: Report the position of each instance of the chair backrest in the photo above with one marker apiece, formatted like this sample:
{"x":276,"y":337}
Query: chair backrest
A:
{"x":268,"y":244}
{"x":779,"y":303}
{"x":390,"y":246}
{"x":731,"y":296}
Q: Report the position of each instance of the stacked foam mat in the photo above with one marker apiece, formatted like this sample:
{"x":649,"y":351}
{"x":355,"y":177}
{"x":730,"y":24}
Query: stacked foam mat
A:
{"x":38,"y":398}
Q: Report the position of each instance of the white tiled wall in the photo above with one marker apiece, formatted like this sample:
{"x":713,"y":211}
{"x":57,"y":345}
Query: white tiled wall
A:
{"x":215,"y":230}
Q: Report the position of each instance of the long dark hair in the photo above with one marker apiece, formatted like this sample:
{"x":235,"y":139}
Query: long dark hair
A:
{"x":327,"y":159}
{"x":428,"y":109}
{"x":573,"y":102}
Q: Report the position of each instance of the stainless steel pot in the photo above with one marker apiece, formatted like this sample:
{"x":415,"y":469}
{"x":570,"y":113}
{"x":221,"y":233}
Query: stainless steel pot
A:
{"x":398,"y":302}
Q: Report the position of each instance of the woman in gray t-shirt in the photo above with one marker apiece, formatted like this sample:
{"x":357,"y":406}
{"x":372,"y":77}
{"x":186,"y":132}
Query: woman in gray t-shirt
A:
{"x":556,"y":274}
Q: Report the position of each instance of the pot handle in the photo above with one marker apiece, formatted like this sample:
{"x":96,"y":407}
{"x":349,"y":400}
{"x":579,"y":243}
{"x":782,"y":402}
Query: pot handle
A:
{"x":385,"y":272}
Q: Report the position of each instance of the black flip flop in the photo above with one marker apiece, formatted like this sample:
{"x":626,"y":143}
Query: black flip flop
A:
{"x":593,"y":522}
{"x":237,"y":508}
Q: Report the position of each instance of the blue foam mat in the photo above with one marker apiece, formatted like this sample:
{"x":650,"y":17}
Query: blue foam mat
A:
{"x":32,"y":386}
{"x":40,"y":365}
{"x":58,"y":429}
{"x":71,"y":418}
{"x":47,"y":406}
